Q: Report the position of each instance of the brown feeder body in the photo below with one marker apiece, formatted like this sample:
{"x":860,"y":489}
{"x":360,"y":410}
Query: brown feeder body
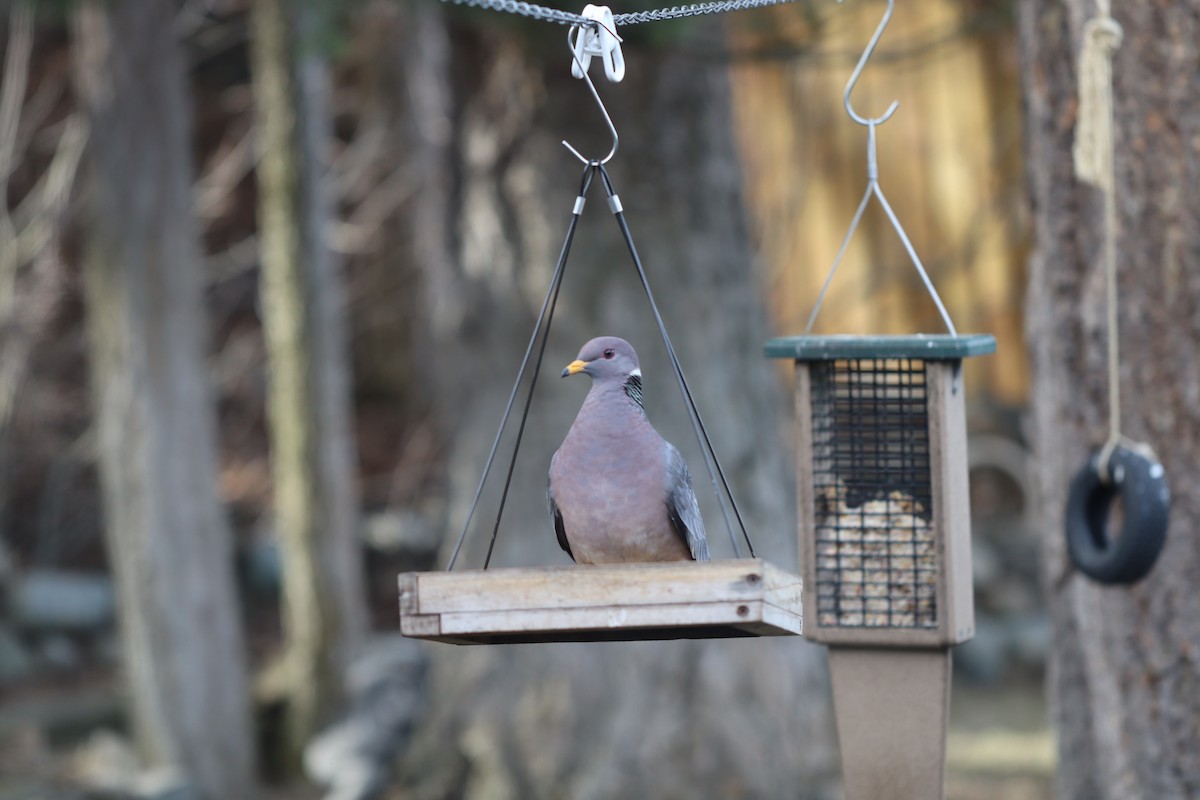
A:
{"x":885,"y":543}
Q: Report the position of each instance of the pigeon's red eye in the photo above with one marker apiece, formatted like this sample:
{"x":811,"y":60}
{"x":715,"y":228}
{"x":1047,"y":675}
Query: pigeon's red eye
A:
{"x":609,"y":353}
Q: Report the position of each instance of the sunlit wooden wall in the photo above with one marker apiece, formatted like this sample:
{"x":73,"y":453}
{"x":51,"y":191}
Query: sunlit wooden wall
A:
{"x":949,"y":161}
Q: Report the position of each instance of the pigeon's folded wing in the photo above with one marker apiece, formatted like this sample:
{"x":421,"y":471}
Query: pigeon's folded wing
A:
{"x":682,"y":506}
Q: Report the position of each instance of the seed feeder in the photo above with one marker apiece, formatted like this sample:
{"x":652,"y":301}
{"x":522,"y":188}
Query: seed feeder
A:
{"x":885,"y":523}
{"x":740,"y":597}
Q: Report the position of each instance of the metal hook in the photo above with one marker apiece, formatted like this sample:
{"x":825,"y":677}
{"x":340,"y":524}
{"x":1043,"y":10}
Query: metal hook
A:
{"x":873,"y":188}
{"x":607,"y":119}
{"x":862,"y":62}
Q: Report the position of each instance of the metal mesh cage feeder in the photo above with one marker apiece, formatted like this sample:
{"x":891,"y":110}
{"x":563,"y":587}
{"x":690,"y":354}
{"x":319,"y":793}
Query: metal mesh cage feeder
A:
{"x":885,"y":540}
{"x":885,"y":527}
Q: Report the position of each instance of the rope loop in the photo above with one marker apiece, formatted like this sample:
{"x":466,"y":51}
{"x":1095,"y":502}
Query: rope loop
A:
{"x":1093,"y":131}
{"x":1105,"y":33}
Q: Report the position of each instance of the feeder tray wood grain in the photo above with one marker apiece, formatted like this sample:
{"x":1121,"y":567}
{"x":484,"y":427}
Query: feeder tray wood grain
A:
{"x":610,"y":602}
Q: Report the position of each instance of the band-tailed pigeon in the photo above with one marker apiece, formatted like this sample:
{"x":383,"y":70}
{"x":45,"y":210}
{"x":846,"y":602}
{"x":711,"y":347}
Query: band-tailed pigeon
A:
{"x":618,"y":491}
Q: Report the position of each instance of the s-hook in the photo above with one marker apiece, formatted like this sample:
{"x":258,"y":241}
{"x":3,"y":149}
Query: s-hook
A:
{"x":873,"y":187}
{"x":862,"y":62}
{"x":579,"y":69}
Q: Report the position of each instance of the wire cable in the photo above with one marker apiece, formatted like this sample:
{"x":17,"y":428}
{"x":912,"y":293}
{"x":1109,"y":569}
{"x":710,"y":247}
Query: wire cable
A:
{"x":534,"y":11}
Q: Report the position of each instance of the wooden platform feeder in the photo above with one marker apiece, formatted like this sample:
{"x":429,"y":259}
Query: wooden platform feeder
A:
{"x":615,"y":602}
{"x":885,"y":542}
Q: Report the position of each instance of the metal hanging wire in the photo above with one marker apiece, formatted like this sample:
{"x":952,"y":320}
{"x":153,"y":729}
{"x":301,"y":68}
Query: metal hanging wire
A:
{"x":542,"y":325}
{"x":711,"y":462}
{"x":873,"y":187}
{"x":706,"y":448}
{"x":545,"y":14}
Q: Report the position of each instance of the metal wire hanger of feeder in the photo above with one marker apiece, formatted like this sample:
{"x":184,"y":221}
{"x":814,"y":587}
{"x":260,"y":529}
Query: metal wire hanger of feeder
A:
{"x":596,"y":166}
{"x":665,"y":600}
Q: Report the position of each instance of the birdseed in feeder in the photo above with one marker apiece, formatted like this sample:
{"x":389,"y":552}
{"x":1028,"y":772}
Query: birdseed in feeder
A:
{"x":876,"y":562}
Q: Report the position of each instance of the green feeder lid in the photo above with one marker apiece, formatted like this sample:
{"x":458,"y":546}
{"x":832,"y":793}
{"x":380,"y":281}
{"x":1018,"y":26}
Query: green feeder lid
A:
{"x":927,"y":347}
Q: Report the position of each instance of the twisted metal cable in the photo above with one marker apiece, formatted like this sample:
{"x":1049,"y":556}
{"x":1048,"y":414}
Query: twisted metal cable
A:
{"x":560,"y":17}
{"x":693,"y":10}
{"x":523,"y":9}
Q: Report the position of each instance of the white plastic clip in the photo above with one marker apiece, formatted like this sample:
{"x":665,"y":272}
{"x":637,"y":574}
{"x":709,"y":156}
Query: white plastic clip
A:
{"x":600,"y":39}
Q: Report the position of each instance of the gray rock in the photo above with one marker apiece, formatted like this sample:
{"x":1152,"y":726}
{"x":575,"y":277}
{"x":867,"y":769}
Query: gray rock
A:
{"x":347,"y":759}
{"x":105,"y":762}
{"x":1010,"y":596}
{"x":15,"y":660}
{"x":8,"y":566}
{"x":164,"y":783}
{"x":402,"y":531}
{"x":388,"y":659}
{"x":62,"y":601}
{"x":1030,"y":637}
{"x":58,"y":653}
{"x":985,"y":562}
{"x":353,"y":757}
{"x":106,"y":647}
{"x":985,"y":657}
{"x":262,"y":564}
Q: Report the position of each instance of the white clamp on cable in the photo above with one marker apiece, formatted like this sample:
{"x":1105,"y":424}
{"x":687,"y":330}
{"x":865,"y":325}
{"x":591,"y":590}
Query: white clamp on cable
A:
{"x":599,"y":39}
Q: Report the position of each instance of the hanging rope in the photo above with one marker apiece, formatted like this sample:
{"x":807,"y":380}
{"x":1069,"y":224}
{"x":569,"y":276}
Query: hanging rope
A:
{"x":1093,"y":155}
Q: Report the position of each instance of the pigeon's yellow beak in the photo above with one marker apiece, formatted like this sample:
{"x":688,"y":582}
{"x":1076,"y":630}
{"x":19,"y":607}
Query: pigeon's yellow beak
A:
{"x":573,"y":367}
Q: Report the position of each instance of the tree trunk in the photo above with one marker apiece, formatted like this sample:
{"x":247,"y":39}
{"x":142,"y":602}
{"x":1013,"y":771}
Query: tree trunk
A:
{"x":1124,"y":663}
{"x":308,"y":398}
{"x":680,"y":719}
{"x":168,"y":541}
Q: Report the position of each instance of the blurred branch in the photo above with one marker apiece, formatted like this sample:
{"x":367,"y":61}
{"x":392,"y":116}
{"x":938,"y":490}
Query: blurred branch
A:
{"x":230,"y":169}
{"x":357,"y":234}
{"x":16,"y":82}
{"x":28,"y":232}
{"x":42,"y":213}
{"x":237,"y":259}
{"x":12,"y":98}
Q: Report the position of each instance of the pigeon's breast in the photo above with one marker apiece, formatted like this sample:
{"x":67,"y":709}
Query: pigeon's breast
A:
{"x":608,"y":484}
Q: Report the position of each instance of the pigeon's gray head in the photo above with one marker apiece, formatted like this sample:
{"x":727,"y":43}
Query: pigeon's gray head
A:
{"x":605,"y":357}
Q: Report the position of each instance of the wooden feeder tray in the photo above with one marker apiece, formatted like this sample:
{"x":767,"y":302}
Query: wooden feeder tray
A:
{"x":602,"y":603}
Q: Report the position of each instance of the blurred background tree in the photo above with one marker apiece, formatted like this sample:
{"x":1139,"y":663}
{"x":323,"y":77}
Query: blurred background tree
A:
{"x":308,"y":395}
{"x":644,"y":719}
{"x":418,"y":275}
{"x":1123,"y":668}
{"x":169,"y":544}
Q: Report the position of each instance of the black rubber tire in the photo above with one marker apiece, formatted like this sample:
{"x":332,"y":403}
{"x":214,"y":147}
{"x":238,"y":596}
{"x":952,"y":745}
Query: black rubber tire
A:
{"x":1141,"y":483}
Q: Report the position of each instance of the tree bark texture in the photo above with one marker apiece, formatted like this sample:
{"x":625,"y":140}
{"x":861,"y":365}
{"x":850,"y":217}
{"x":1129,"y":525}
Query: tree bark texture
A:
{"x":488,"y":108}
{"x":168,"y":541}
{"x":1124,"y":677}
{"x":312,"y":449}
